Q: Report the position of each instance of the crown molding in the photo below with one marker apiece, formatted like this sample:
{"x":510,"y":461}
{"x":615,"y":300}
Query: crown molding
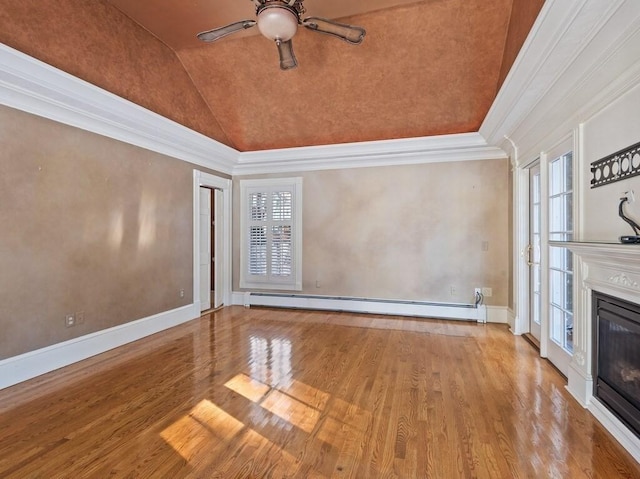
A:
{"x":433,"y":149}
{"x":30,"y":85}
{"x":580,"y":56}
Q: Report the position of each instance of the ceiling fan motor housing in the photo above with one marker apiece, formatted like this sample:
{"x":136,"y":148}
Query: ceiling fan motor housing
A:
{"x":277,"y":21}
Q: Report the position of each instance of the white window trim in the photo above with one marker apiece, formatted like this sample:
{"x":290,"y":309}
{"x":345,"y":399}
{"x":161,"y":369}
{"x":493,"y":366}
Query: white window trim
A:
{"x":295,"y":282}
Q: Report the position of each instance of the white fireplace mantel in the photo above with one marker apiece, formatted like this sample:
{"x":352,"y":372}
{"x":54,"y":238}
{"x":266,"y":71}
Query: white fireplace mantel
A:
{"x":613,"y":269}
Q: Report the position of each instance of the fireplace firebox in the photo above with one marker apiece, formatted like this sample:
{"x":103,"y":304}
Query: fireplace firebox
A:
{"x":616,"y":360}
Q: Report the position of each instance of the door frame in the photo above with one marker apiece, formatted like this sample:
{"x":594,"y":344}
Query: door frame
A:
{"x":534,"y":168}
{"x":217,"y":245}
{"x":521,"y":231}
{"x":204,"y":230}
{"x":522,"y":277}
{"x":202,"y":179}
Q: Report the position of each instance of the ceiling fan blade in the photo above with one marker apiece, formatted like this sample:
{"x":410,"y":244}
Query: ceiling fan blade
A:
{"x":287,"y":58}
{"x":218,"y":33}
{"x":348,"y":33}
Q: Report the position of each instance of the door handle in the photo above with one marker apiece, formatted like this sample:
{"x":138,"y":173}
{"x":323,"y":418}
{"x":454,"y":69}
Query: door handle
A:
{"x":529,"y":249}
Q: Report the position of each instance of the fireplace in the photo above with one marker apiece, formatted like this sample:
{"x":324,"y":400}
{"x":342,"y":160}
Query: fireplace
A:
{"x":604,"y":371}
{"x":616,"y":357}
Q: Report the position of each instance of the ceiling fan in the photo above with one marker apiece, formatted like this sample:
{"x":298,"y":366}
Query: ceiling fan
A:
{"x":278,"y":20}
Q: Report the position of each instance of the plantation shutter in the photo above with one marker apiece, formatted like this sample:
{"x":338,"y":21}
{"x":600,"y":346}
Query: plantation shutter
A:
{"x":270,"y":235}
{"x":281,"y":233}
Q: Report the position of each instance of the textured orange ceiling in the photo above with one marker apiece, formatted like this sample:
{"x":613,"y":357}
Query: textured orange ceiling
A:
{"x":425,"y":68}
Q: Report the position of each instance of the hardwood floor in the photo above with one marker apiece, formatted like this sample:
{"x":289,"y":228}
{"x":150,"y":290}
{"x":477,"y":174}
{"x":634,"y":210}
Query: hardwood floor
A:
{"x":266,"y":393}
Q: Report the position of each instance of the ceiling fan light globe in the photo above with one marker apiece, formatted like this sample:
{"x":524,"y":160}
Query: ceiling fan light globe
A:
{"x":277,"y":23}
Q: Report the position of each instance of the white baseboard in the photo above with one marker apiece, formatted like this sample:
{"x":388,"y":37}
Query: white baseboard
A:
{"x":622,"y":433}
{"x":35,"y":363}
{"x":511,"y":318}
{"x":579,"y":384}
{"x":498,"y":314}
{"x":364,"y":305}
{"x":515,"y":324}
{"x":237,"y":298}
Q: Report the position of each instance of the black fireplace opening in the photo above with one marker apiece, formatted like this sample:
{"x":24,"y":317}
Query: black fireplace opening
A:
{"x":616,"y":360}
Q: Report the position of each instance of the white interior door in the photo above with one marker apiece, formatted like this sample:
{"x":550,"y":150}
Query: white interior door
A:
{"x":205,"y":249}
{"x":218,"y":242}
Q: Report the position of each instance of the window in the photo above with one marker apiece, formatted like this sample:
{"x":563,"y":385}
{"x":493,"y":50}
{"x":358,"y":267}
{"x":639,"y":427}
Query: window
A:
{"x":271,"y":234}
{"x":561,"y":259}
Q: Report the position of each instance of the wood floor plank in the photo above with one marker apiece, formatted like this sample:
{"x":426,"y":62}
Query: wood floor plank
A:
{"x":260,"y":393}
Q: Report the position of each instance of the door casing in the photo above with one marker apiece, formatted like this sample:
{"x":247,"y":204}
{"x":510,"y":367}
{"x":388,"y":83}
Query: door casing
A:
{"x":534,"y":254}
{"x":201,"y":179}
{"x":204,"y":219}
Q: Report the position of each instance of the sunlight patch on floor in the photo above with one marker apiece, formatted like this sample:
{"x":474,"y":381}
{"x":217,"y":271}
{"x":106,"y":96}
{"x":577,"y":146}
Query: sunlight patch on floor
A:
{"x":291,"y":410}
{"x":205,"y":422}
{"x":250,"y":388}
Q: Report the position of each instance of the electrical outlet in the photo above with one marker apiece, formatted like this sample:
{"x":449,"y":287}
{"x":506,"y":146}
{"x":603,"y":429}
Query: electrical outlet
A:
{"x":70,"y":320}
{"x":477,"y":295}
{"x":318,"y":283}
{"x":453,"y":290}
{"x":182,"y":293}
{"x":485,"y":246}
{"x":487,"y":292}
{"x":80,"y":317}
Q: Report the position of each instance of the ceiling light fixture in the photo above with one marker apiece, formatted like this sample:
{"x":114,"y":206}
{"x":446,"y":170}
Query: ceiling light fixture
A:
{"x":277,"y":21}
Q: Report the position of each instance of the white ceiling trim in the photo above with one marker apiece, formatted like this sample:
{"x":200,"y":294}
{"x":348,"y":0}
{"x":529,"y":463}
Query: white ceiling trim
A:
{"x":35,"y":87}
{"x":580,"y":56}
{"x":433,"y":149}
{"x":30,"y":85}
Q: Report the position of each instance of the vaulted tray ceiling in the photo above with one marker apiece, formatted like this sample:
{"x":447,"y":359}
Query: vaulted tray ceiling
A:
{"x":425,"y":68}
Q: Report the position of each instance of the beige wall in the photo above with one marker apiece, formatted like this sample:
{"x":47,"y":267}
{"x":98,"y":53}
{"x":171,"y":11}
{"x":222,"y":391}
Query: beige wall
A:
{"x":614,"y":129}
{"x":95,"y":225}
{"x":88,"y":224}
{"x":405,"y":232}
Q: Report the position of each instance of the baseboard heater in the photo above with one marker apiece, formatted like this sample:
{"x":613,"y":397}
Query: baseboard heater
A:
{"x":426,"y":309}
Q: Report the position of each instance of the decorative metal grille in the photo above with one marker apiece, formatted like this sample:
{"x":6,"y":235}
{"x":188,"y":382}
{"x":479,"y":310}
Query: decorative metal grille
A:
{"x":618,"y":166}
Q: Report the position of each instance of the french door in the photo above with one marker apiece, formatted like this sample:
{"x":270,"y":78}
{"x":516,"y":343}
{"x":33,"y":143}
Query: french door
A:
{"x":551,"y":267}
{"x":560,"y":263}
